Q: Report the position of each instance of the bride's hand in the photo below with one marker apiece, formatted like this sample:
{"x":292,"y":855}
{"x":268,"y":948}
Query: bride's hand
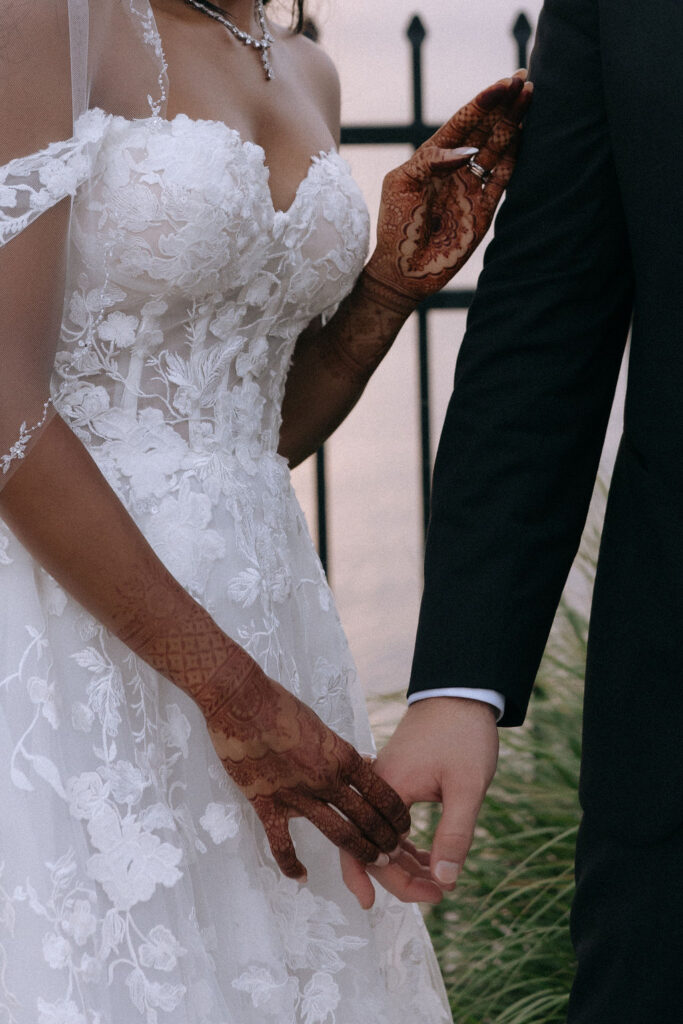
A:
{"x":288,"y":763}
{"x":434,"y":210}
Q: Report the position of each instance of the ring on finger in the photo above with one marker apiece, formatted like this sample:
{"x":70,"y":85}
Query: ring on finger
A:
{"x":479,"y":171}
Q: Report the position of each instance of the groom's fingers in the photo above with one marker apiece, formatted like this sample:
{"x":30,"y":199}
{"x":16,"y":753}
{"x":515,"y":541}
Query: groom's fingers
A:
{"x":453,"y":836}
{"x":404,"y":879}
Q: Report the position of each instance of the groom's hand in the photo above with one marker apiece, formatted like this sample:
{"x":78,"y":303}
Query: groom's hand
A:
{"x":445,"y":749}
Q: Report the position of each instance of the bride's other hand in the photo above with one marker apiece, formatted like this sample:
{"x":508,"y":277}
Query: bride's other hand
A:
{"x":288,"y":763}
{"x":434,"y":210}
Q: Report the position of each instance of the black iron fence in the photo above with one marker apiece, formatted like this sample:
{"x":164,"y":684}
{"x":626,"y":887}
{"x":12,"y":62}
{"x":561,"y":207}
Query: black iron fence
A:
{"x":413,"y":133}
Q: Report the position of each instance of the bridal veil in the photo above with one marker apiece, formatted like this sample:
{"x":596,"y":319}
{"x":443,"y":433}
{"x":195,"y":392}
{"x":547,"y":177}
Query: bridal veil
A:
{"x":66,"y":67}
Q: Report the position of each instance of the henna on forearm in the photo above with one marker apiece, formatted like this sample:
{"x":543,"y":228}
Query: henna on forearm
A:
{"x":333,"y":364}
{"x":154,"y":616}
{"x":356,"y":340}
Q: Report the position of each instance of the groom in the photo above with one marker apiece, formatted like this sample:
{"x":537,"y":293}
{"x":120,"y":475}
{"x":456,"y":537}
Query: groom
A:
{"x":590,"y":236}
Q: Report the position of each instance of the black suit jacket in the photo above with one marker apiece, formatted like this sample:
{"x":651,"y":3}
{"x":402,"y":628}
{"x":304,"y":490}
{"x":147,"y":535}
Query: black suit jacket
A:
{"x":591,"y":233}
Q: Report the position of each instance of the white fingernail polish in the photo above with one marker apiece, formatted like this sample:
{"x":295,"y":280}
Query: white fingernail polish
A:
{"x":382,"y":861}
{"x":447,"y":872}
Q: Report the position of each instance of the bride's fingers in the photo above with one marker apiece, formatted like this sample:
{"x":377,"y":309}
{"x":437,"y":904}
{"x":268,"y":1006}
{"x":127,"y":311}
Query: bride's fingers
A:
{"x":500,"y":176}
{"x":357,"y":880}
{"x":342,"y":833}
{"x":504,"y":131}
{"x":481,"y":132}
{"x":454,"y":131}
{"x":369,"y":821}
{"x":380,"y":794}
{"x":275,"y":820}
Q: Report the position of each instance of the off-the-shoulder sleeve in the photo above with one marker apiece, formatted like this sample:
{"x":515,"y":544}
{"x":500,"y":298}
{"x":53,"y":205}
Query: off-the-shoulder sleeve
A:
{"x":32,"y":184}
{"x":44,"y":158}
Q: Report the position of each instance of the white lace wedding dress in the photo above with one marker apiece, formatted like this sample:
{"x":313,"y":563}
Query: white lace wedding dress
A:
{"x":135,"y":881}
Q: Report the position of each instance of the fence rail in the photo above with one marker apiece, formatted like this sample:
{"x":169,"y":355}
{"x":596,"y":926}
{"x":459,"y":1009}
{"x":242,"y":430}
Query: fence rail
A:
{"x":413,"y":133}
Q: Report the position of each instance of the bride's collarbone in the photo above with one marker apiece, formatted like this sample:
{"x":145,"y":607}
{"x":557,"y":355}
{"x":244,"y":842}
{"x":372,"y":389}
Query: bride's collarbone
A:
{"x":282,"y":116}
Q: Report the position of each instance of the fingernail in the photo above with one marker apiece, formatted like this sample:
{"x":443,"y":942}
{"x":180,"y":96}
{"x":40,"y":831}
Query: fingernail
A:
{"x":382,"y":861}
{"x":447,"y":872}
{"x":302,"y":879}
{"x":394,"y":853}
{"x":464,"y":151}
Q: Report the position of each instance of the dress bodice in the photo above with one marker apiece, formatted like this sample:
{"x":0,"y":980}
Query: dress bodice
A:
{"x":187,"y":291}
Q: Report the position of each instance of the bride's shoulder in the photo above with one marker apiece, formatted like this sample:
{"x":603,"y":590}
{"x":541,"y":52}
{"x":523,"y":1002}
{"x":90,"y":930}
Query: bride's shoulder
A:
{"x":319,"y":71}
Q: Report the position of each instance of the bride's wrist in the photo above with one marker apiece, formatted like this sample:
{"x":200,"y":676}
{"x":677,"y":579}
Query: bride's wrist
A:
{"x":235,"y":693}
{"x":379,"y":291}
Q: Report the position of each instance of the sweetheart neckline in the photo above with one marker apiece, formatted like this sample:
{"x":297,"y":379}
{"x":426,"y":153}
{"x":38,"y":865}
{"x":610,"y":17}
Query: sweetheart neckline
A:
{"x":314,"y":160}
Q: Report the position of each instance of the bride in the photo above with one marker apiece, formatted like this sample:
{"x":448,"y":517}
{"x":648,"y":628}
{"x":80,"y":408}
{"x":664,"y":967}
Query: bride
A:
{"x":183,"y":730}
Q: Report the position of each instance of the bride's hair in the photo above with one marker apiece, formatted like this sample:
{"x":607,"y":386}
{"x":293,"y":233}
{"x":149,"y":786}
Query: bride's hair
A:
{"x":298,"y":15}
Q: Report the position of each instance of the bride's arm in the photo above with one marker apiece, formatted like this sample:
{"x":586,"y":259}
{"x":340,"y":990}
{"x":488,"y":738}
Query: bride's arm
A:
{"x":284,"y":758}
{"x":434,"y":213}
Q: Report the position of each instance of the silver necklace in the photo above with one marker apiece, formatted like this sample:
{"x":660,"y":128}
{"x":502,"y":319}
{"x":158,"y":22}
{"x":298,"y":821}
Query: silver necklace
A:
{"x":262,"y":46}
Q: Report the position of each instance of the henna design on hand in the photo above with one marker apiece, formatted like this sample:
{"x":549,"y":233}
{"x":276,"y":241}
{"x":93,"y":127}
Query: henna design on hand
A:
{"x":434,"y":211}
{"x":277,"y":750}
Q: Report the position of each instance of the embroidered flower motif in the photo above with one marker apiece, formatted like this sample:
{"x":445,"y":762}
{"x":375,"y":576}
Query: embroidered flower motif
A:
{"x":161,"y":949}
{"x":320,"y":998}
{"x":80,"y":923}
{"x":64,"y":1012}
{"x":87,"y":794}
{"x":119,"y":329}
{"x":127,"y":783}
{"x":180,"y":535}
{"x":42,"y":693}
{"x":221,"y":821}
{"x":132,"y":861}
{"x":274,"y":994}
{"x":4,"y":545}
{"x":56,"y":950}
{"x":175,"y":731}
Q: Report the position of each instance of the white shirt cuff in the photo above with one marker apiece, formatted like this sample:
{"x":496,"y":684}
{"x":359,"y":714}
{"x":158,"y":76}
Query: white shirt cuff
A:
{"x":486,"y":696}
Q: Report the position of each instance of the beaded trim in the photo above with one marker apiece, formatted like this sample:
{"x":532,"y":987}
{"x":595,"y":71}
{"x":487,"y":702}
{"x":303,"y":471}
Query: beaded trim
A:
{"x":18,"y":449}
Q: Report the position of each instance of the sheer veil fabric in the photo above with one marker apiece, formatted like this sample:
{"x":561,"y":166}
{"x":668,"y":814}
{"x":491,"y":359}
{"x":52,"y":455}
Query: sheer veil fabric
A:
{"x":151,"y":295}
{"x":66,"y":66}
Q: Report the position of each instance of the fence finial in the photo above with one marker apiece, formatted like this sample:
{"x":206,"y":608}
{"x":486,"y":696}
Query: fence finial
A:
{"x":521,"y":30}
{"x":416,"y":31}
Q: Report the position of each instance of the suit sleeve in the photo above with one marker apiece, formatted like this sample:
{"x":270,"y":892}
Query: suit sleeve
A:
{"x":534,"y":385}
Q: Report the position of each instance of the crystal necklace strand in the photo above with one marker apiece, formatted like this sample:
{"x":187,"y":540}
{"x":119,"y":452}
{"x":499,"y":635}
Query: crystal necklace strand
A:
{"x":262,"y":46}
